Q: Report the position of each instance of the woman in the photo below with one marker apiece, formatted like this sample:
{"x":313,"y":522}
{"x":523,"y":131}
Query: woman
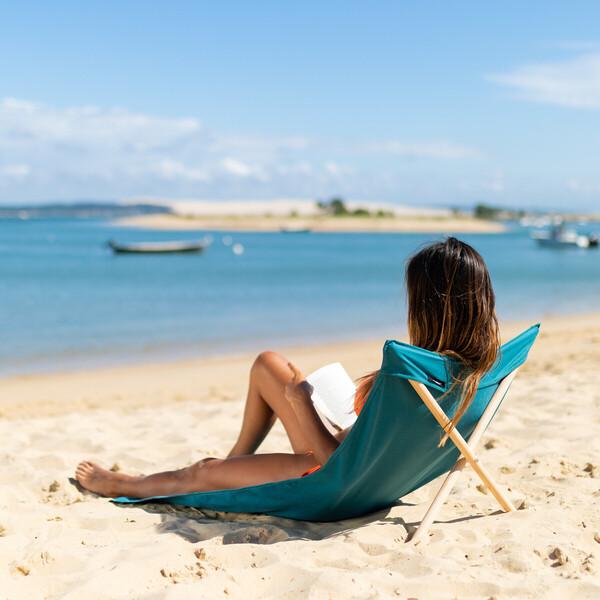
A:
{"x":450,"y":311}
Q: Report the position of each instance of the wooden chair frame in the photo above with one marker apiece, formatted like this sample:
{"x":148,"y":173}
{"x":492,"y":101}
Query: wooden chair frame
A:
{"x":467,"y":455}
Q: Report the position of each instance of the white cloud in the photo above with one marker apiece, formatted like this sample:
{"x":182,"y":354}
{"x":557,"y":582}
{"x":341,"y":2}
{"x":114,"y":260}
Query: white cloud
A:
{"x":336,"y":170}
{"x":585,"y":189}
{"x":15,"y":171}
{"x":173,"y":170}
{"x":236,"y":167}
{"x":441,"y":149}
{"x":90,"y":152}
{"x":299,"y":168}
{"x":260,"y":146}
{"x":25,"y":123}
{"x":574,"y":83}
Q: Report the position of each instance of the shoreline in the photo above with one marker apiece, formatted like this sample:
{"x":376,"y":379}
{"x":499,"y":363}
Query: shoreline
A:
{"x":143,"y":383}
{"x":140,"y":384}
{"x":317,"y":224}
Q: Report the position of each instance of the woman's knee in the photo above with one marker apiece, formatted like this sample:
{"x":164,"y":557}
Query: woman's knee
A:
{"x":269,"y":361}
{"x":199,"y":472}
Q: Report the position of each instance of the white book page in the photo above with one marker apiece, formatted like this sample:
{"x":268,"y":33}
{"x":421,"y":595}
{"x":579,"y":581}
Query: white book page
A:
{"x":334,"y":393}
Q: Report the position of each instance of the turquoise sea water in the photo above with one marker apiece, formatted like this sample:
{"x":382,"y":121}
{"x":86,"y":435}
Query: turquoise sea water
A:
{"x":66,"y":302}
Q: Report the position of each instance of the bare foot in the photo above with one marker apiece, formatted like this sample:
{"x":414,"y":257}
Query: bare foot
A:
{"x":100,"y":481}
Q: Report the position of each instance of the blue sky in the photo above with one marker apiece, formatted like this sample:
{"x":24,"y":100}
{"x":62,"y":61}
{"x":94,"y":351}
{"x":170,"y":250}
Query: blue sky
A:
{"x":425,"y":103}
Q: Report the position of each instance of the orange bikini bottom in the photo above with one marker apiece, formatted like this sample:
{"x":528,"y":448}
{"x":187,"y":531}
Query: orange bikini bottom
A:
{"x":359,"y":401}
{"x":310,"y":470}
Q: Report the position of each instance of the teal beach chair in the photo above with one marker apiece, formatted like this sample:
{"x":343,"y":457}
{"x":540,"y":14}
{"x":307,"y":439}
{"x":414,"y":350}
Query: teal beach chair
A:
{"x":393,"y":448}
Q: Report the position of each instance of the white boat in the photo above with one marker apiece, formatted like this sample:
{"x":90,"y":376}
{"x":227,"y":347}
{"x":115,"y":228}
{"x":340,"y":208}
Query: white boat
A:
{"x":158,"y":247}
{"x":295,"y":230}
{"x":559,"y":237}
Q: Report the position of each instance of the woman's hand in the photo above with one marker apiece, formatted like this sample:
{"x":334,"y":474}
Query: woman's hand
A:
{"x":298,"y":391}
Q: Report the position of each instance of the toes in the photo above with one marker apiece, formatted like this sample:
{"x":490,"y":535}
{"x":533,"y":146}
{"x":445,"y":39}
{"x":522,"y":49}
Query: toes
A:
{"x":84,"y":470}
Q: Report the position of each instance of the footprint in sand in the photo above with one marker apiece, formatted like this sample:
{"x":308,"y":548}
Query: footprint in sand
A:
{"x":409,"y":565}
{"x":516,"y":560}
{"x":255,"y":535}
{"x":45,"y":562}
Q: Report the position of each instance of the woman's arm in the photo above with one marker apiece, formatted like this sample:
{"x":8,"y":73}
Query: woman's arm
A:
{"x":298,"y":392}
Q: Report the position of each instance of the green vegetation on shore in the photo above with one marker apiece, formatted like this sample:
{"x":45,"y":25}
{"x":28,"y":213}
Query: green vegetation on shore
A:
{"x":492,"y":213}
{"x":337,"y":208}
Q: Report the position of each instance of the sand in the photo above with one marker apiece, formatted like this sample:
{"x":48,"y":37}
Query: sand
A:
{"x":167,"y":222}
{"x":57,"y":541}
{"x":276,"y":215}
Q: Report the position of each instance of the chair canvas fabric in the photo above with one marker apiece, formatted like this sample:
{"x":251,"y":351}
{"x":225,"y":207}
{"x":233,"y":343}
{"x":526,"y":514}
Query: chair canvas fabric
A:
{"x":392,"y":449}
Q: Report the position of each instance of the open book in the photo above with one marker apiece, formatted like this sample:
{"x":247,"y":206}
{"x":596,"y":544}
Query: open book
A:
{"x":333,"y":394}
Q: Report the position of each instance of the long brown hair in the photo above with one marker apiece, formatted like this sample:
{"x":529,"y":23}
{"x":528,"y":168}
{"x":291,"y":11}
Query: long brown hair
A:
{"x":451,"y":311}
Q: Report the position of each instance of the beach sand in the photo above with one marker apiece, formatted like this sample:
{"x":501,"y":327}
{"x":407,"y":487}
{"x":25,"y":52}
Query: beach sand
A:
{"x":58,"y":541}
{"x":242,"y":222}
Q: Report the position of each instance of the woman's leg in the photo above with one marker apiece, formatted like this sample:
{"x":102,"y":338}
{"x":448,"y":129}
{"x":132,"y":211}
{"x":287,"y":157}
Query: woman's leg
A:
{"x":206,"y":475}
{"x":265,"y":403}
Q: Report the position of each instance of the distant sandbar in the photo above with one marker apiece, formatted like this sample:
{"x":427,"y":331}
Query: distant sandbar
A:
{"x":424,"y":224}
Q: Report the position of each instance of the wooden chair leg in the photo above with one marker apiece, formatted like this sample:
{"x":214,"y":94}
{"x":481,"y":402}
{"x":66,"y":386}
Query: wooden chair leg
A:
{"x":460,"y":464}
{"x":438,"y":501}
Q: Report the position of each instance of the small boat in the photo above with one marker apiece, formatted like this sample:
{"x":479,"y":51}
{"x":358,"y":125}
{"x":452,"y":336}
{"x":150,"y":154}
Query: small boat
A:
{"x":295,"y":230}
{"x":158,"y":247}
{"x":559,"y":237}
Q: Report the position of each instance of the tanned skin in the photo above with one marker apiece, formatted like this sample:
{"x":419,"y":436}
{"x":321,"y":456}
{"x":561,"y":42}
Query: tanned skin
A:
{"x":277,"y":390}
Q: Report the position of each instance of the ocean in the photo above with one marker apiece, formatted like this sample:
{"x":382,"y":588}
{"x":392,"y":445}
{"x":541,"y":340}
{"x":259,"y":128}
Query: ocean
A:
{"x":68,"y":303}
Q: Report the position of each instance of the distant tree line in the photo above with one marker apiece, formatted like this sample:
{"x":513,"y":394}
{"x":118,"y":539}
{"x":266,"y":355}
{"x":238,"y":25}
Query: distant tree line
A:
{"x":336,"y":207}
{"x":484,"y":211}
{"x":80,"y":210}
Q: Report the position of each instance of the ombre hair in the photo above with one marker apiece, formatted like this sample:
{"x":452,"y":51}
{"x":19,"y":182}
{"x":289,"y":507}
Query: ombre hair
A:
{"x":451,"y":311}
